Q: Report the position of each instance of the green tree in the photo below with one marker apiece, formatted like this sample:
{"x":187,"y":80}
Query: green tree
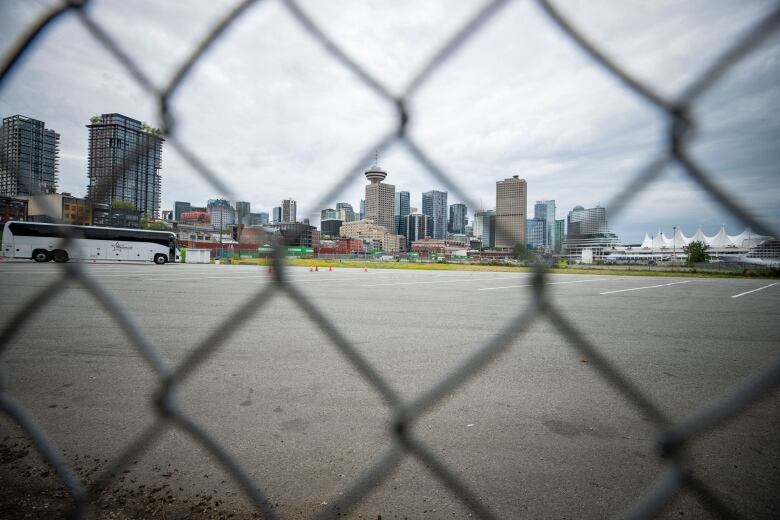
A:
{"x":95,"y":119}
{"x":521,"y":252}
{"x":696,"y":251}
{"x":157,"y":225}
{"x":122,"y":204}
{"x":149,"y":129}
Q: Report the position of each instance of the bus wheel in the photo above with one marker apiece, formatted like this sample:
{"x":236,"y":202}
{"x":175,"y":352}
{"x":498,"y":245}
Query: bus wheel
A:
{"x":60,"y":255}
{"x":160,"y":259}
{"x":41,"y":255}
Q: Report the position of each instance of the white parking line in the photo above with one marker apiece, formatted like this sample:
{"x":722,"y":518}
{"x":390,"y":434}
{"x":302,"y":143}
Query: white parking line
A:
{"x":646,"y":287}
{"x":436,"y":281}
{"x":290,"y":278}
{"x":754,"y":290}
{"x":531,"y":285}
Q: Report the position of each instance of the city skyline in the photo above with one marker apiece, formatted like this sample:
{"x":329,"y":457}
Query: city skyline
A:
{"x":583,"y":155}
{"x":239,"y":213}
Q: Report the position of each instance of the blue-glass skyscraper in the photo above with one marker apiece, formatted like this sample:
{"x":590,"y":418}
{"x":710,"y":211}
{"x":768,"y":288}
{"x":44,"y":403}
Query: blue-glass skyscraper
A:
{"x":401,"y":209}
{"x":536,"y":233}
{"x":485,"y":228}
{"x":434,"y":204}
{"x":545,"y":210}
{"x":457,"y":222}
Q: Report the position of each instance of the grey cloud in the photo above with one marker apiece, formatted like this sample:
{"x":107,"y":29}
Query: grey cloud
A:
{"x":277,"y":116}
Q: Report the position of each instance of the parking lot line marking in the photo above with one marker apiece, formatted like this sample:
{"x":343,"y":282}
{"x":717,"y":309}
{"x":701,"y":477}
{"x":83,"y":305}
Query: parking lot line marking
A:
{"x":646,"y":287}
{"x":436,"y":281}
{"x":291,"y":278}
{"x":754,"y":290}
{"x":529,"y":285}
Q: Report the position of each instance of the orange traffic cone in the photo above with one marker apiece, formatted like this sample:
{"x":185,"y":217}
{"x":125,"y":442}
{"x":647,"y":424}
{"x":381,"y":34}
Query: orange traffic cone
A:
{"x":330,"y":269}
{"x":270,"y":269}
{"x":365,"y":269}
{"x":316,"y":269}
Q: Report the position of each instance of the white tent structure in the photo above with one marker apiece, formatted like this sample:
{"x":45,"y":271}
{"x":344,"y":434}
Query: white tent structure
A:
{"x":679,"y":240}
{"x":720,"y":241}
{"x":699,"y":236}
{"x":660,"y":247}
{"x":747,"y":239}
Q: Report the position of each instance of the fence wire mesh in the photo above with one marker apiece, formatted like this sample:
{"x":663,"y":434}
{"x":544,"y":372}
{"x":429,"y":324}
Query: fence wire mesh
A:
{"x":673,"y":439}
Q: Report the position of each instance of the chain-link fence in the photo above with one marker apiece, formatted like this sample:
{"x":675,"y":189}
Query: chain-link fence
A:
{"x":673,"y":437}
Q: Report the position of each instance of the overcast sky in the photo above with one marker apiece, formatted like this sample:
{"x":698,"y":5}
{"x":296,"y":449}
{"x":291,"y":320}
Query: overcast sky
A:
{"x":276,"y":116}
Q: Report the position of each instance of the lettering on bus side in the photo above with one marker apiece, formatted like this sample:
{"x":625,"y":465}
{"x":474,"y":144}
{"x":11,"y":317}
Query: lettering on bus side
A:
{"x":117,"y":247}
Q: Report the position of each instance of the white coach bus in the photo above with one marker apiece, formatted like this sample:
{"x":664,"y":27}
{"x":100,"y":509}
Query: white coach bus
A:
{"x":45,"y":242}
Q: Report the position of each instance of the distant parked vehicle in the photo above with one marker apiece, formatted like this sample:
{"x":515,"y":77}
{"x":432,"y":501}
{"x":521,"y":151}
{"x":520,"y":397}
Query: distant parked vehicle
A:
{"x":45,"y":242}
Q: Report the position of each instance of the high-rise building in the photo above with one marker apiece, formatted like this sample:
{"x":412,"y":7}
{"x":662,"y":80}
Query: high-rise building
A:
{"x":344,"y":212}
{"x":587,"y":221}
{"x":289,"y":210}
{"x":489,"y":230}
{"x":434,"y":204}
{"x":29,"y":157}
{"x":416,"y":227}
{"x":330,"y":227}
{"x":536,"y":233}
{"x":457,"y":222}
{"x":588,"y":229}
{"x":476,"y":226}
{"x":559,"y":235}
{"x":362,"y":213}
{"x":258,"y":219}
{"x":125,"y":157}
{"x":380,"y":199}
{"x":545,"y":210}
{"x":511,"y":203}
{"x":242,"y":212}
{"x":276,"y":214}
{"x":484,"y":228}
{"x":179,"y":208}
{"x":328,"y":214}
{"x":400,"y":210}
{"x":222,"y":213}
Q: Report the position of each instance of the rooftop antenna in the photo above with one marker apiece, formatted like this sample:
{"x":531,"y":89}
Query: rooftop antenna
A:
{"x":376,"y":157}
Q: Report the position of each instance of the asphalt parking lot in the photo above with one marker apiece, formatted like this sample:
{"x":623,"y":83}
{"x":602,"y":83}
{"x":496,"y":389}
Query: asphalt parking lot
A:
{"x":537,"y":434}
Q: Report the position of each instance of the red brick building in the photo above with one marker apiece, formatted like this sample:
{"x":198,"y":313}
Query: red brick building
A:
{"x":426,"y":246}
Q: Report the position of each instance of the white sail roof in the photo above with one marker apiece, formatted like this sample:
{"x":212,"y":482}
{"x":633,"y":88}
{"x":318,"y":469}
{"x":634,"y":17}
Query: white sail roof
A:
{"x":721,"y":239}
{"x":659,"y":241}
{"x":748,"y":239}
{"x":678,"y":240}
{"x":699,"y":236}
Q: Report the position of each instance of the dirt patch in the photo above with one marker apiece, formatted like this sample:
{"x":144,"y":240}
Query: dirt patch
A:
{"x":30,"y":488}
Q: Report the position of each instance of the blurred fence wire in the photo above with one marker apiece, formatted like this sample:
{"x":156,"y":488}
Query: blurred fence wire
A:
{"x":672,"y":438}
